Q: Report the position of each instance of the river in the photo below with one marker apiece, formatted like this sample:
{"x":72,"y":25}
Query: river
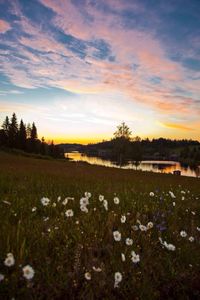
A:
{"x":154,"y":166}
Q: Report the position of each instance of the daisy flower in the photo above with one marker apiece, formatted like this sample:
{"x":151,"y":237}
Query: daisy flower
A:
{"x":28,"y":272}
{"x":117,"y":236}
{"x":9,"y":261}
{"x":129,"y":242}
{"x":116,"y":200}
{"x":118,"y":279}
{"x":183,"y":233}
{"x":123,"y":219}
{"x":45,"y":201}
{"x":88,"y":276}
{"x":69,"y":213}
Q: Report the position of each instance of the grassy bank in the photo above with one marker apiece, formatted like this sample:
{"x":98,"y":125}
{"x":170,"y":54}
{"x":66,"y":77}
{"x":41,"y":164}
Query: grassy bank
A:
{"x":76,"y":257}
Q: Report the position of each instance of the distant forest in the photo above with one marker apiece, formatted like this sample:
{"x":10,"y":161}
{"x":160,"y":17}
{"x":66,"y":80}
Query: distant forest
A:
{"x":24,"y":137}
{"x":123,"y":147}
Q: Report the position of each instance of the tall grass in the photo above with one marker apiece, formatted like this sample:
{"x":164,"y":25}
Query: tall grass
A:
{"x":65,"y":252}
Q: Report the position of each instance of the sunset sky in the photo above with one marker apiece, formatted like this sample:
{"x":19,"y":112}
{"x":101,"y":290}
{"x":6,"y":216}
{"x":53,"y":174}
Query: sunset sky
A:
{"x":78,"y":68}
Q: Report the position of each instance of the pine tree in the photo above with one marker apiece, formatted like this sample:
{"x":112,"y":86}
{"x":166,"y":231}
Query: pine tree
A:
{"x":28,"y":131}
{"x":33,"y":132}
{"x":5,"y":131}
{"x":13,"y":132}
{"x":22,"y":135}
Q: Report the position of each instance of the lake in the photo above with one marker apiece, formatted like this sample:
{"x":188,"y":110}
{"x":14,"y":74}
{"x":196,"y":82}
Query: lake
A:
{"x":154,"y":166}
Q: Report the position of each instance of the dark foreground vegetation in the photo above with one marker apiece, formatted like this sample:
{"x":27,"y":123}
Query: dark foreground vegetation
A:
{"x":99,"y":233}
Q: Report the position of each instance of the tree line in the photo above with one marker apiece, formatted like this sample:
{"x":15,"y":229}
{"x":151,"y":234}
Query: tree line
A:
{"x":122,"y":147}
{"x":25,"y":137}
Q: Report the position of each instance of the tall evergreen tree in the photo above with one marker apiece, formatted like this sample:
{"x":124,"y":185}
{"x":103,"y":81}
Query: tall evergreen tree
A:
{"x":13,"y":132}
{"x":33,"y":132}
{"x":22,"y":135}
{"x":5,"y":131}
{"x":28,"y":131}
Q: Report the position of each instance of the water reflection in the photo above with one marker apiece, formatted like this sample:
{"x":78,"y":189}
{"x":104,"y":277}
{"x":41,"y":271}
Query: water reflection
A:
{"x":154,"y":166}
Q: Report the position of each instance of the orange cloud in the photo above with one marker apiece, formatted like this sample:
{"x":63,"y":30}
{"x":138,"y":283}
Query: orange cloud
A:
{"x":175,"y":126}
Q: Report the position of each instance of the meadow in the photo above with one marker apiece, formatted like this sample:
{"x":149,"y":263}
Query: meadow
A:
{"x":76,"y":231}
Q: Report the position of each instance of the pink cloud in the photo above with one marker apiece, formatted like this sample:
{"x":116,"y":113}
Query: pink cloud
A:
{"x":4,"y":26}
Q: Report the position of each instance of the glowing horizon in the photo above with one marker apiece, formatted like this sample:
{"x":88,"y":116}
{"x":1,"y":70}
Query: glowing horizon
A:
{"x":80,"y":68}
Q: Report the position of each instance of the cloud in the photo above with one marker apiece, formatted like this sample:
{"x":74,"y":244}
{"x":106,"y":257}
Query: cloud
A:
{"x":87,"y":49}
{"x":176,"y":126}
{"x":4,"y":26}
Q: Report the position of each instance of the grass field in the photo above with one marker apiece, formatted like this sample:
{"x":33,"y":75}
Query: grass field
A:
{"x":75,"y":249}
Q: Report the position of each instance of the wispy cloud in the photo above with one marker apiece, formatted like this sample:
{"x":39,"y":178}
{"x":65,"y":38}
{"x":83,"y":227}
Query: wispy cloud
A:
{"x":102,"y":47}
{"x":176,"y":126}
{"x":4,"y":26}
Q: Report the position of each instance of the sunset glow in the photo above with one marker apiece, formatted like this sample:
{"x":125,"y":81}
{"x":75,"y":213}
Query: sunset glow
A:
{"x":78,"y":68}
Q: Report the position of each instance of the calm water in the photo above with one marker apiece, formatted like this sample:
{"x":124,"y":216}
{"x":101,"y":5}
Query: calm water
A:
{"x":155,"y":166}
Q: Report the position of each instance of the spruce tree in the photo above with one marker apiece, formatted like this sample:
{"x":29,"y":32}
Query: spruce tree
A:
{"x":13,"y":132}
{"x":22,"y":135}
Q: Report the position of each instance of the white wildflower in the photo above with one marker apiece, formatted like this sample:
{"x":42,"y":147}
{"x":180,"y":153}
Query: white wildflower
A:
{"x":174,"y":203}
{"x":34,"y":209}
{"x":191,"y":239}
{"x":123,"y":219}
{"x":193,"y":213}
{"x":116,"y":200}
{"x":54,"y":204}
{"x":149,"y":225}
{"x":183,"y":233}
{"x":45,"y":201}
{"x":129,"y":242}
{"x":88,"y":195}
{"x":117,"y":236}
{"x":183,"y":198}
{"x":198,"y":228}
{"x":101,"y":198}
{"x":118,"y":279}
{"x":142,"y":227}
{"x":172,"y":194}
{"x":9,"y":261}
{"x":59,"y":198}
{"x":28,"y":272}
{"x":83,"y":208}
{"x":105,"y":204}
{"x":88,"y":276}
{"x":169,"y":247}
{"x":135,"y":257}
{"x":69,"y":213}
{"x":84,"y":201}
{"x":6,"y":202}
{"x":123,"y":257}
{"x":65,"y":201}
{"x":135,"y":227}
{"x":151,"y":194}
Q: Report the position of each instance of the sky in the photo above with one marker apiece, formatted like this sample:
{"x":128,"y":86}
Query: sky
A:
{"x":78,"y":68}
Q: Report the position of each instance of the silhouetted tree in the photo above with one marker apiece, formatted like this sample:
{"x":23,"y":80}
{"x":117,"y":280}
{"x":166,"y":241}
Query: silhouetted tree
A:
{"x":13,"y":132}
{"x":123,"y":131}
{"x":5,"y":132}
{"x":22,"y":135}
{"x":28,"y":131}
{"x":33,"y":132}
{"x":121,"y":142}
